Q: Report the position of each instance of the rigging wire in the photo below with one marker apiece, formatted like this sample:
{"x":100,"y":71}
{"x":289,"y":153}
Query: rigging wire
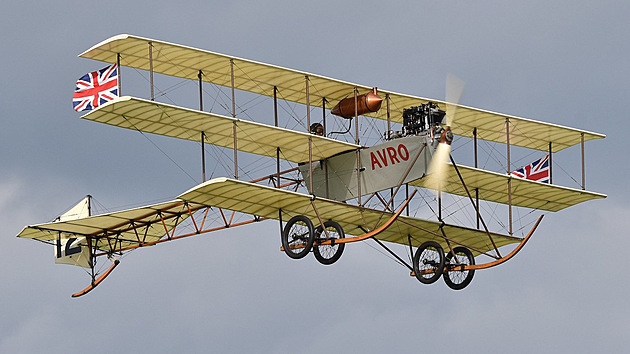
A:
{"x":366,"y":128}
{"x":162,"y":151}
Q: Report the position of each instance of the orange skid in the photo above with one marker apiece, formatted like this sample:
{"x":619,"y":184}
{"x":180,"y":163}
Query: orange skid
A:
{"x":500,"y":260}
{"x":97,"y":281}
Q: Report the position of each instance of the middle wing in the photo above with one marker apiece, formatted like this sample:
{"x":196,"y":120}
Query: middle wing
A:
{"x":493,"y":187}
{"x":183,"y":123}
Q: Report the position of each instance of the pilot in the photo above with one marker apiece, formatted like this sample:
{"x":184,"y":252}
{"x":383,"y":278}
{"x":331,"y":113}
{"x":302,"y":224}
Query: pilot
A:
{"x":317,"y":129}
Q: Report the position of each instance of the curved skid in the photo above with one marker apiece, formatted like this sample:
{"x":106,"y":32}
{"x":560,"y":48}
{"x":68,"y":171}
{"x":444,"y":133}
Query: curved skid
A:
{"x":97,"y":281}
{"x":376,"y":231}
{"x":502,"y":259}
{"x":510,"y":255}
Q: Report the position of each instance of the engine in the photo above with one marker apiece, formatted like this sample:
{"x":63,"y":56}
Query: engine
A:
{"x":419,"y":119}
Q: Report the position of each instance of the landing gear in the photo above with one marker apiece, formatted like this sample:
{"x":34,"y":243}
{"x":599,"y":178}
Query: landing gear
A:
{"x":298,"y":237}
{"x":454,"y":274}
{"x":329,"y":254}
{"x":428,"y":262}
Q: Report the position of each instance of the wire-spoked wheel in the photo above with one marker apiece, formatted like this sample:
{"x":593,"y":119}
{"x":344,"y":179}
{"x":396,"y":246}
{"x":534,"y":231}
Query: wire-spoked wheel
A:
{"x":298,"y":236}
{"x":329,"y":254}
{"x":428,"y":262}
{"x":454,"y":274}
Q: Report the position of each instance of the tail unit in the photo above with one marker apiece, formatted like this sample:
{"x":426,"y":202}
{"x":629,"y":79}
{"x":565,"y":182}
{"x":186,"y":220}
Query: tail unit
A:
{"x":74,"y":250}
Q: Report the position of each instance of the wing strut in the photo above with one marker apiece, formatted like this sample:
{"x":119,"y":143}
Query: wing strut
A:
{"x":496,"y":249}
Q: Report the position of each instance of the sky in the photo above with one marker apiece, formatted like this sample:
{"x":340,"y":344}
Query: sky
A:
{"x":563,"y":62}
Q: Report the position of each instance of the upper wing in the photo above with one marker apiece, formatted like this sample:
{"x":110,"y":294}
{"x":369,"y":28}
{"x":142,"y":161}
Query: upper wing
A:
{"x":493,"y":187}
{"x":183,"y":123}
{"x":186,"y":62}
{"x":266,"y":201}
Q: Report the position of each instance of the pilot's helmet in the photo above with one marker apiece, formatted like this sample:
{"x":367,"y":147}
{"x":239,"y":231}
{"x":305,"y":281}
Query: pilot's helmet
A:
{"x":317,"y":129}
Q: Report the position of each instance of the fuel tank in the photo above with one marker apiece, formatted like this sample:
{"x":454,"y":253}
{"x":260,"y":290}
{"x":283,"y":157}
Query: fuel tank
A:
{"x":367,"y":103}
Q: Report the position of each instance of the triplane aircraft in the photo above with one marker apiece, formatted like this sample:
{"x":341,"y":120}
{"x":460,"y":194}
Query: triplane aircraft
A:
{"x":338,"y":192}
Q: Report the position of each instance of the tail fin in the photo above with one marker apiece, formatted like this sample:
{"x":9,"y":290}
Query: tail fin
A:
{"x":74,"y":250}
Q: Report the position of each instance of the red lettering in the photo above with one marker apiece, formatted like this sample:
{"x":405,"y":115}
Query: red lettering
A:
{"x":403,"y":152}
{"x":374,"y":161}
{"x":392,"y":155}
{"x":383,"y":157}
{"x":380,"y":159}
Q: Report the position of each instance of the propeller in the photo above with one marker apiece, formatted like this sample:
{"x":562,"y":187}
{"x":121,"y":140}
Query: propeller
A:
{"x":439,"y":162}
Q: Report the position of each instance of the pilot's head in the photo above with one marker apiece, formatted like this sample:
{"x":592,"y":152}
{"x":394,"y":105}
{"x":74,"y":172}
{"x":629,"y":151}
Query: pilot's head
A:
{"x":317,"y":129}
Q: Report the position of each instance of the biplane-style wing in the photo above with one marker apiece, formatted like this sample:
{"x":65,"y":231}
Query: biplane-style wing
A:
{"x":168,"y":120}
{"x":493,"y":186}
{"x":144,"y":225}
{"x":186,"y":62}
{"x":178,"y":122}
{"x":266,"y":202}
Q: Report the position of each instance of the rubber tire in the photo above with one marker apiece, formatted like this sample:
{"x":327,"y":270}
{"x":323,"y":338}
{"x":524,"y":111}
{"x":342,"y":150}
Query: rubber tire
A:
{"x":440,"y":264}
{"x":310,"y":238}
{"x":319,"y":232}
{"x":459,"y":251}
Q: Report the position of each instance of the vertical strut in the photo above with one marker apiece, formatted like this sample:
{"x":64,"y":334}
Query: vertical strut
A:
{"x":203,"y":157}
{"x":280,"y":221}
{"x":275,"y":116}
{"x":389,"y":118}
{"x":151,"y":70}
{"x":583,"y":169}
{"x":119,"y":75}
{"x":310,"y":138}
{"x":199,"y":75}
{"x":203,"y":134}
{"x":507,"y":131}
{"x":407,"y":196}
{"x":234,"y":116}
{"x":324,"y":114}
{"x":476,"y":166}
{"x":325,"y":160}
{"x":356,"y":139}
{"x":550,"y":165}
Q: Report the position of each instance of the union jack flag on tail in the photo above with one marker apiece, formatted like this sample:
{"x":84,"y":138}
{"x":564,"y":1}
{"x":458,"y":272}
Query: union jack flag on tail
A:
{"x":96,"y":88}
{"x":535,"y":171}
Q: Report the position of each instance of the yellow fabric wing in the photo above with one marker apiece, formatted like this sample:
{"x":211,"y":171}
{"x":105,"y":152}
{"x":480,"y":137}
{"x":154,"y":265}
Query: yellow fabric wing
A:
{"x":525,"y":193}
{"x":186,"y":62}
{"x":183,"y":123}
{"x":266,"y":202}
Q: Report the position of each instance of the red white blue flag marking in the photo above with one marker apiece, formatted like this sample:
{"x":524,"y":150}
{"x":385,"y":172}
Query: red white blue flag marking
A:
{"x":535,"y":171}
{"x":96,"y":88}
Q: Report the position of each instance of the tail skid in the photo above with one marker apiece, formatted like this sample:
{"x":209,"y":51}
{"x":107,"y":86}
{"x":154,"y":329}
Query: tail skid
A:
{"x":97,"y":281}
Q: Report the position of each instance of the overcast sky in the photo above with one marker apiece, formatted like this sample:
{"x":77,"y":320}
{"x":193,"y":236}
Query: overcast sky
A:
{"x":564,"y":62}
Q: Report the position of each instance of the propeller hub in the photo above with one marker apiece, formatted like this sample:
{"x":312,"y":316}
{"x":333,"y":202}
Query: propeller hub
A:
{"x":447,"y":136}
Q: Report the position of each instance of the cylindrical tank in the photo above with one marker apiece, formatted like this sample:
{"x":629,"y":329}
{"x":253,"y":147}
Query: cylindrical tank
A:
{"x":366,"y":103}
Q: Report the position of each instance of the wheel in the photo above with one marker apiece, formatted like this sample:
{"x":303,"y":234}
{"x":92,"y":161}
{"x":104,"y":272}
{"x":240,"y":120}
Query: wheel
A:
{"x":454,"y":276}
{"x":429,"y":257}
{"x":298,"y":237}
{"x":329,"y":254}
